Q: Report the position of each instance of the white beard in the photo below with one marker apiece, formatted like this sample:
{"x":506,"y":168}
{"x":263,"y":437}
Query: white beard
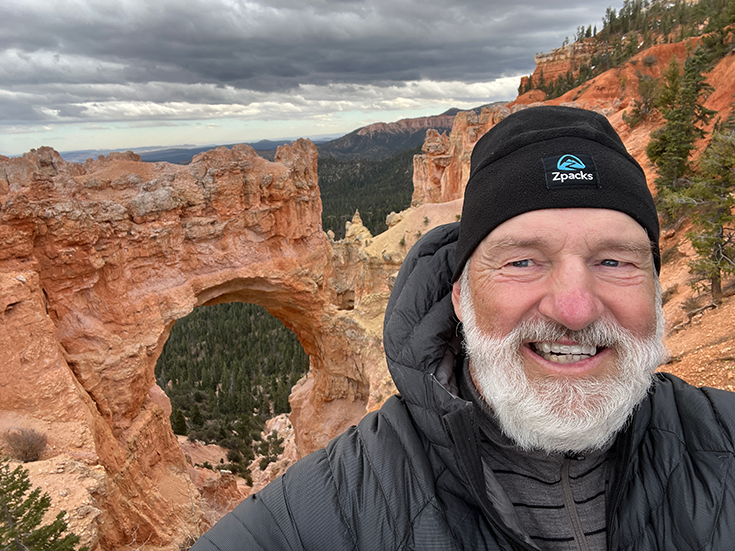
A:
{"x":560,"y":414}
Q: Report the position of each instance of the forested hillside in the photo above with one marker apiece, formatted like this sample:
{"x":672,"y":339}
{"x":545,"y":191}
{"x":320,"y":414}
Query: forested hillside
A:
{"x":375,"y":188}
{"x":636,"y":26}
{"x":227,"y":369}
{"x":382,"y":143}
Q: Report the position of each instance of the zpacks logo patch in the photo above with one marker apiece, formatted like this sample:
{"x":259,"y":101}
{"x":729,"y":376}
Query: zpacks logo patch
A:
{"x":570,"y":162}
{"x":570,"y":171}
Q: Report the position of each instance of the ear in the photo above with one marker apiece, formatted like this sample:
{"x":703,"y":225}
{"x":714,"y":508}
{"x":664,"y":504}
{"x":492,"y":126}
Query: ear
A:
{"x":456,"y":289}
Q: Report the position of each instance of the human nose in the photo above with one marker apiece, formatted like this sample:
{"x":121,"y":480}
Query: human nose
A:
{"x":571,"y":298}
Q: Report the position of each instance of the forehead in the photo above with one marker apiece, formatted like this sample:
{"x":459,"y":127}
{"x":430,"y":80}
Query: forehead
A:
{"x":572,"y":227}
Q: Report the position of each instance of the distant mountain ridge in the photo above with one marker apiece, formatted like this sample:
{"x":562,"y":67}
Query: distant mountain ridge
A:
{"x":382,"y":140}
{"x":374,"y":142}
{"x":176,"y":155}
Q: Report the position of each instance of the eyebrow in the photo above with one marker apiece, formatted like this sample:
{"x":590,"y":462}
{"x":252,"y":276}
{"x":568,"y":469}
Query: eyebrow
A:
{"x":507,"y":243}
{"x":638,"y":247}
{"x":610,"y":244}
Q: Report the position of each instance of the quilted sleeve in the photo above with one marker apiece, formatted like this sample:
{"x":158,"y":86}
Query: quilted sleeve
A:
{"x":292,"y":513}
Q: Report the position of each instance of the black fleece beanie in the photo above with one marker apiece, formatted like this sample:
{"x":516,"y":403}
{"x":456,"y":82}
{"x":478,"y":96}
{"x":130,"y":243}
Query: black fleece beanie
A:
{"x":549,"y":158}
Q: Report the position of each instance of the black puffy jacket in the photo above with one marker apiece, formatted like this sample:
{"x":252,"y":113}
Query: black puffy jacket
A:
{"x":409,"y":475}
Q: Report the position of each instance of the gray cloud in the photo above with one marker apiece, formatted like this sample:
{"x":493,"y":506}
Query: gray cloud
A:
{"x":57,"y":59}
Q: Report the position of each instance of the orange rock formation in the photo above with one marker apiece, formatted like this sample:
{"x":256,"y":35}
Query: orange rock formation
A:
{"x":441,"y":172}
{"x":559,"y":61}
{"x":97,"y":261}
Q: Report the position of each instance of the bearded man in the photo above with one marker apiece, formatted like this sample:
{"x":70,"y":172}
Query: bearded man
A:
{"x":539,"y":422}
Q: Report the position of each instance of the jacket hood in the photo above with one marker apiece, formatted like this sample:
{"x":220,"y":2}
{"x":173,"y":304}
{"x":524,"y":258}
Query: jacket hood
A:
{"x":423,"y":347}
{"x":421,"y":333}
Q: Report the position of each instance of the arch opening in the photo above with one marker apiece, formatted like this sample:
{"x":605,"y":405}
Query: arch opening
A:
{"x":227,"y":369}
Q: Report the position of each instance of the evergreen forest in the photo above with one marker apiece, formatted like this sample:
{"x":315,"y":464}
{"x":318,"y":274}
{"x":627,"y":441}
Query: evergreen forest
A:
{"x":227,"y":369}
{"x":374,"y":187}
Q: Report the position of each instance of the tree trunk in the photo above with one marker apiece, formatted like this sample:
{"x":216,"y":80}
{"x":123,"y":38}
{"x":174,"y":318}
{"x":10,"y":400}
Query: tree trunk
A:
{"x":717,"y":290}
{"x":716,"y":279}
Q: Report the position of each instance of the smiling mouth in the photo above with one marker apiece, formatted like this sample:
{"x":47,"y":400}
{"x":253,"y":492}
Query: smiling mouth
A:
{"x":563,"y":353}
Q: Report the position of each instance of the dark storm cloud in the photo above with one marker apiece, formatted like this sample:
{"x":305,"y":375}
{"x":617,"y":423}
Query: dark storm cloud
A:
{"x":57,"y":56}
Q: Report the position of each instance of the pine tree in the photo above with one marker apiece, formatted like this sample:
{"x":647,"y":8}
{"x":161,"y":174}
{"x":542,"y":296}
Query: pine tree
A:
{"x":178,"y":422}
{"x":541,"y":84}
{"x":644,"y":104}
{"x":196,"y":416}
{"x":671,"y":145}
{"x":21,"y":516}
{"x":711,"y":194}
{"x":271,"y":448}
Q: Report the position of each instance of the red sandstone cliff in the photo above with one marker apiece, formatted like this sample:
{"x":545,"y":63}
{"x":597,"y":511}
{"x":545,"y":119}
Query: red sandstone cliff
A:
{"x":559,"y":61}
{"x":97,"y":261}
{"x":441,"y":173}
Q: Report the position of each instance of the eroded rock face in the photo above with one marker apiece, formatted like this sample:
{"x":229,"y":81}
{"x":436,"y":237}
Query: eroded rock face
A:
{"x":442,"y":170}
{"x":440,"y":174}
{"x":559,"y":61}
{"x":97,"y":261}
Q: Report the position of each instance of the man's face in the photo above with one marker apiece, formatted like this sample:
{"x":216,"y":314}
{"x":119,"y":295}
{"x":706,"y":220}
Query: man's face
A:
{"x":563,"y":310}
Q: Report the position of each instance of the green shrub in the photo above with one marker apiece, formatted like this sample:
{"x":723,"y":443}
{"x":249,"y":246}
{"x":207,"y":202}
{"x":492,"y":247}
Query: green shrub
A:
{"x":21,"y":516}
{"x":650,"y":60}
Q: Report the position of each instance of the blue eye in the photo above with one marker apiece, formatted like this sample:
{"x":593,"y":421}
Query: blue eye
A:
{"x":525,"y":263}
{"x":611,"y":263}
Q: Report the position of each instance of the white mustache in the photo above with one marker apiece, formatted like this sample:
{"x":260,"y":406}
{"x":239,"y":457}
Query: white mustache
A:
{"x":603,"y":333}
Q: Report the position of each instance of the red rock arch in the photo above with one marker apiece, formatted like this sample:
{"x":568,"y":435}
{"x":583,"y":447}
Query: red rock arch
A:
{"x":97,"y":261}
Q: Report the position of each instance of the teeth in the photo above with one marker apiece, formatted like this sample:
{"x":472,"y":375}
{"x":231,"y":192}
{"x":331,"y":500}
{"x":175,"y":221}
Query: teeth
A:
{"x":565,"y":353}
{"x":565,"y":358}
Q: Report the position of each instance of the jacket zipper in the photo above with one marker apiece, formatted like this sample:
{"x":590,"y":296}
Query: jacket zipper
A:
{"x":460,"y":447}
{"x":571,"y":507}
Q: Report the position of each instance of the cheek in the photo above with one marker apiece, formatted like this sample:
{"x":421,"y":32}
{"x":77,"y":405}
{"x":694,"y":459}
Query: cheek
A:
{"x":636,"y":312}
{"x":498,"y":310}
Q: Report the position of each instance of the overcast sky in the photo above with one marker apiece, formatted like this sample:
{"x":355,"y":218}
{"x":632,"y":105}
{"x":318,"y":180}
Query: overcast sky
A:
{"x":97,"y":74}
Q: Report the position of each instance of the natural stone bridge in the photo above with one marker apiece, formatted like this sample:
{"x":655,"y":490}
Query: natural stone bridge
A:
{"x":97,"y":262}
